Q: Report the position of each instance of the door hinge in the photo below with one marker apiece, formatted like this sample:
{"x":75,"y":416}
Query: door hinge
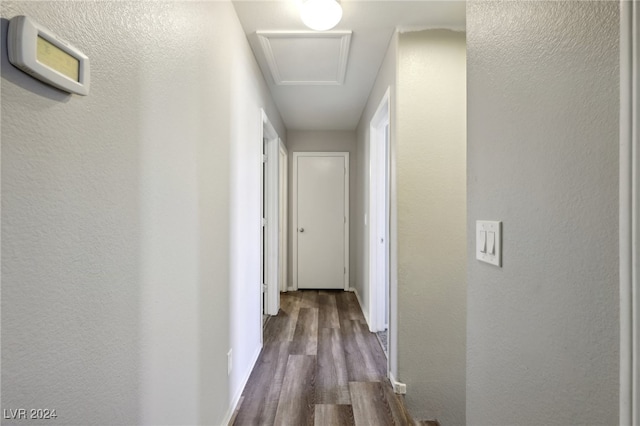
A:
{"x":345,"y":219}
{"x":264,"y":158}
{"x":345,"y":270}
{"x":264,"y":222}
{"x":264,"y":288}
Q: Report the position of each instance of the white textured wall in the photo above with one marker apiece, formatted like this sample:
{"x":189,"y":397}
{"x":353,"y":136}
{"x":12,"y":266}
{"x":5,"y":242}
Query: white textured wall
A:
{"x":325,"y":141}
{"x":386,"y":79}
{"x":120,"y":231}
{"x":543,"y":157}
{"x":431,"y":204}
{"x":249,"y":93}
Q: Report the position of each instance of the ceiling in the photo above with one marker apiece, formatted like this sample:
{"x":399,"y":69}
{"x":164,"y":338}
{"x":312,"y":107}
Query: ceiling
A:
{"x":313,"y":92}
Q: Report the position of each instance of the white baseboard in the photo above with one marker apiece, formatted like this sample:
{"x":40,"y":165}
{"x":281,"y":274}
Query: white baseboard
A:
{"x":398,"y":387}
{"x":364,"y":312}
{"x":236,"y":398}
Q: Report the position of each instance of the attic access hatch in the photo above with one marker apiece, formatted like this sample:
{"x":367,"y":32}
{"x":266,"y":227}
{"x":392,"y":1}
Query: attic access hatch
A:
{"x":306,"y":58}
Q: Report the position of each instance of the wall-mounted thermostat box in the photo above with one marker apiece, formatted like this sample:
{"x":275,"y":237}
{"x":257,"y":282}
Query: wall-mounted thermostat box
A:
{"x":45,"y":56}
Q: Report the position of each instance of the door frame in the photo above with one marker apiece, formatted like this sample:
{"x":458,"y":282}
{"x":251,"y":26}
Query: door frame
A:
{"x":284,"y":213}
{"x":269,"y":203}
{"x":629,"y":214}
{"x":379,"y":167}
{"x":294,"y":222}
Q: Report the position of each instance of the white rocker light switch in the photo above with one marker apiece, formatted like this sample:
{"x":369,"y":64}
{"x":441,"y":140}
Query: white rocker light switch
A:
{"x":489,"y":242}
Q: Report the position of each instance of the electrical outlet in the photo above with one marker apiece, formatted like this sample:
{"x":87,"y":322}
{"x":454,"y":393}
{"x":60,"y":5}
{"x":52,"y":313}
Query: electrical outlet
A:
{"x":229,"y":361}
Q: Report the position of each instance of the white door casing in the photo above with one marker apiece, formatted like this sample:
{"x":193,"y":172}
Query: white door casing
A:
{"x":379,"y":202}
{"x":271,"y":220}
{"x":284,"y":196}
{"x":321,"y":220}
{"x":629,"y":220}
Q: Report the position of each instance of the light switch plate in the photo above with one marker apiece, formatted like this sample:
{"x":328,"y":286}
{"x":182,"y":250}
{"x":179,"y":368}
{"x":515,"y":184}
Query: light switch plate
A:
{"x":489,"y":232}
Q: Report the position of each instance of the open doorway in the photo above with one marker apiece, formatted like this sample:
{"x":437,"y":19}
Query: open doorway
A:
{"x":379,"y":208}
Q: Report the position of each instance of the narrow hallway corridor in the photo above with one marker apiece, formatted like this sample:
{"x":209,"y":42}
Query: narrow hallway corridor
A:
{"x":320,"y":365}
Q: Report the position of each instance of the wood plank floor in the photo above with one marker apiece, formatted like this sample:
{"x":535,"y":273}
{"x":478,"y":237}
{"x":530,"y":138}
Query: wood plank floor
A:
{"x":320,"y":365}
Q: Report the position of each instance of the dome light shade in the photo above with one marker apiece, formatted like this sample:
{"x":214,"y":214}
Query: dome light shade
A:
{"x":321,"y":15}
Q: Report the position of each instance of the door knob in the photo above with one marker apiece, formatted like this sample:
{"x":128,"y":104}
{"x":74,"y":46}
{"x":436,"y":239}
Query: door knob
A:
{"x":301,"y":229}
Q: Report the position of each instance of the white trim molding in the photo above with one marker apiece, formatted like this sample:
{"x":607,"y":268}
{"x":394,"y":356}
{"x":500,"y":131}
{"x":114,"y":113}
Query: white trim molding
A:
{"x":271,"y":244}
{"x":364,"y":311}
{"x":283,"y":170}
{"x":379,"y":239}
{"x":398,"y":387}
{"x":629,"y":214}
{"x":236,"y":398}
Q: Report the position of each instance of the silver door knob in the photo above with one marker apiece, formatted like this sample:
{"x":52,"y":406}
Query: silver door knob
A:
{"x":301,"y":229}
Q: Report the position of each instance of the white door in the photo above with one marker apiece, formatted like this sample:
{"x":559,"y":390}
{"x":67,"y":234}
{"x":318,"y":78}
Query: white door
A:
{"x":320,"y":218}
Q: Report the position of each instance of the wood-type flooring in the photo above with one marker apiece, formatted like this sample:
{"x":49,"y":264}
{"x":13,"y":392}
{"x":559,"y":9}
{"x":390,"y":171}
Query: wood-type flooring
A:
{"x":320,"y":365}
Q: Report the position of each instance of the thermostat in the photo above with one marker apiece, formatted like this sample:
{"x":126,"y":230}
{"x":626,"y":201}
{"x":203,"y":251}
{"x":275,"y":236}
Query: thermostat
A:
{"x":45,"y":56}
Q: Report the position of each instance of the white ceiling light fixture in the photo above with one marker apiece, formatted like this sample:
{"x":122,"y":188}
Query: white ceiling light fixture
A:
{"x":321,"y":15}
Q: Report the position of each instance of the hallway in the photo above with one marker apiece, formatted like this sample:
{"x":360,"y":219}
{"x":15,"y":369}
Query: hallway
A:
{"x":320,"y":365}
{"x":134,"y":219}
